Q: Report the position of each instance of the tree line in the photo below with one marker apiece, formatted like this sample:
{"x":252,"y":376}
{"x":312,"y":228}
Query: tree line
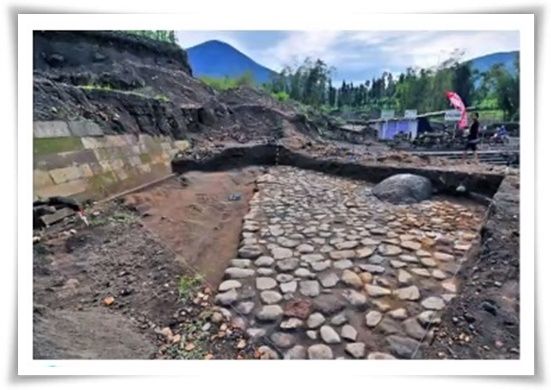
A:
{"x":422,"y":89}
{"x":159,"y":35}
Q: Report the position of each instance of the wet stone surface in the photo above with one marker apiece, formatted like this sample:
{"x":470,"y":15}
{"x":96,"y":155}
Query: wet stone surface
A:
{"x":326,"y":270}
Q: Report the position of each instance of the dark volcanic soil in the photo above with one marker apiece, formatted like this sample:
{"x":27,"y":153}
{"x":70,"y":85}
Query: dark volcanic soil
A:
{"x":77,"y":275}
{"x":483,"y":321}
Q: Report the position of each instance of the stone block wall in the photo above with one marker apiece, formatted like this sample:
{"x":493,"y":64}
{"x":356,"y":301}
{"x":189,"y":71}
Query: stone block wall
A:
{"x":75,"y":158}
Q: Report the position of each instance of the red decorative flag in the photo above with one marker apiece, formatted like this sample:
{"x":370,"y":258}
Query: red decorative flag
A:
{"x":457,"y":103}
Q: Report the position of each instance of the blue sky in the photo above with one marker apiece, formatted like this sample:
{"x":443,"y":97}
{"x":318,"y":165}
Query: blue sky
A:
{"x":358,"y":55}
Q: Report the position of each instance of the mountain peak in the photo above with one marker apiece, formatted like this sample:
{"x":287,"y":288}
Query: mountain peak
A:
{"x":218,"y":59}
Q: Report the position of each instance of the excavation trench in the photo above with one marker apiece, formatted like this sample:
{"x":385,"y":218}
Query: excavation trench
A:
{"x":306,"y":237}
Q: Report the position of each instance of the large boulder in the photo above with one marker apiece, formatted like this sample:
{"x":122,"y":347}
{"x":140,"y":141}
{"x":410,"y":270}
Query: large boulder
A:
{"x":403,"y":188}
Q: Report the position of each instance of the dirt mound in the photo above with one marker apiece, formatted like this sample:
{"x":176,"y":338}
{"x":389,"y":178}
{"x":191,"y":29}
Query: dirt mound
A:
{"x":135,"y":85}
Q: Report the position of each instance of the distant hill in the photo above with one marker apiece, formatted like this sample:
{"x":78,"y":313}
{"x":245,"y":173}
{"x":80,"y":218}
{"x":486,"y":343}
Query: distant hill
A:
{"x":219,"y":59}
{"x":484,"y":63}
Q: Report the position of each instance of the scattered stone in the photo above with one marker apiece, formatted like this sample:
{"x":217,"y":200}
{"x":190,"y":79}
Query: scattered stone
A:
{"x":438,"y":274}
{"x":449,"y":285}
{"x":349,"y":333}
{"x":309,"y":288}
{"x":404,"y":277}
{"x":269,"y":313}
{"x":366,"y":277}
{"x":380,"y":356}
{"x":245,"y":307}
{"x":357,"y":350}
{"x":409,"y":258}
{"x":410,"y":293}
{"x":312,"y":258}
{"x":305,"y":248}
{"x":338,"y":319}
{"x":428,"y":317}
{"x":279,"y":253}
{"x":346,"y":245}
{"x":256,"y":333}
{"x":270,"y":297}
{"x":282,"y":340}
{"x":351,"y":278}
{"x":312,"y":334}
{"x":420,"y":272}
{"x":264,"y":261}
{"x":364,"y":252}
{"x":226,"y":298}
{"x":284,"y":278}
{"x":321,"y":265}
{"x":329,"y":279}
{"x":289,"y":287}
{"x":229,"y":285}
{"x":389,"y":250}
{"x":238,"y":273}
{"x":320,"y":351}
{"x":315,"y":320}
{"x":250,"y":251}
{"x":428,"y":262}
{"x":292,"y":323}
{"x":303,"y":273}
{"x":398,"y":314}
{"x":287,"y":242}
{"x":287,"y":264}
{"x":376,"y":291}
{"x":441,"y":256}
{"x":267,"y":353}
{"x":403,"y":347}
{"x":397,"y":264}
{"x":329,"y":335}
{"x":344,"y":254}
{"x":297,"y":352}
{"x":329,"y":303}
{"x":372,"y":318}
{"x":264,"y":283}
{"x":433,"y":303}
{"x":355,"y":298}
{"x":414,"y":329}
{"x":372,"y":268}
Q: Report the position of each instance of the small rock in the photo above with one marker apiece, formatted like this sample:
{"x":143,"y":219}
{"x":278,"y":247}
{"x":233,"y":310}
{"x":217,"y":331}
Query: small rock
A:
{"x":372,"y":318}
{"x":357,"y":350}
{"x":270,"y":297}
{"x":329,"y":279}
{"x":226,"y":298}
{"x":410,"y":293}
{"x":379,"y":356}
{"x":297,"y":352}
{"x":269,"y":313}
{"x":267,"y":353}
{"x":289,"y":287}
{"x":315,"y":320}
{"x":292,"y":323}
{"x":264,"y":261}
{"x":433,"y":303}
{"x":282,"y":340}
{"x":229,"y":285}
{"x":287,"y":264}
{"x":329,"y":335}
{"x":349,"y":333}
{"x":376,"y":291}
{"x":309,"y":288}
{"x":350,"y":278}
{"x":320,"y":351}
{"x":264,"y":283}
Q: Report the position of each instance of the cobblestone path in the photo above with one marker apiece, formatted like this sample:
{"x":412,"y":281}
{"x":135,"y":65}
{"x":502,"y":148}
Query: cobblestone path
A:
{"x":326,"y":271}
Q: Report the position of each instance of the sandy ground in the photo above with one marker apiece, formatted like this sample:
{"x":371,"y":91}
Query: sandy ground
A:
{"x":196,"y":219}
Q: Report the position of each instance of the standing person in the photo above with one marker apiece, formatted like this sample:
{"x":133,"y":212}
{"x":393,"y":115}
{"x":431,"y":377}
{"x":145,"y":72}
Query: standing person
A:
{"x":472,"y":138}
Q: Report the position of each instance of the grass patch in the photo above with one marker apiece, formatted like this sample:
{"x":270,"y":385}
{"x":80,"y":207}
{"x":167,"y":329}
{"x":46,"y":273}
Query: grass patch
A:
{"x":119,"y":216}
{"x":43,"y":146}
{"x":188,"y":285}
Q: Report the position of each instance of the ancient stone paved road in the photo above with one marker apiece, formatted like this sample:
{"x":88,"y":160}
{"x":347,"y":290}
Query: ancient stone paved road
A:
{"x":326,"y":270}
